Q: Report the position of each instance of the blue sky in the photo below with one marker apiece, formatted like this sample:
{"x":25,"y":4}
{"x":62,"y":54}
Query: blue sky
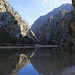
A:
{"x":30,"y":10}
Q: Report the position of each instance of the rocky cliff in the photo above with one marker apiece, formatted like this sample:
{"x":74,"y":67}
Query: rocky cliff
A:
{"x":72,"y":24}
{"x":43,"y":19}
{"x":57,"y":29}
{"x":11,"y":22}
{"x":73,"y":3}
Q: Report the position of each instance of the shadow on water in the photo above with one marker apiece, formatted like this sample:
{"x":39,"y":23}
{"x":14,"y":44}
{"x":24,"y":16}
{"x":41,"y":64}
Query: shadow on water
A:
{"x":43,"y":61}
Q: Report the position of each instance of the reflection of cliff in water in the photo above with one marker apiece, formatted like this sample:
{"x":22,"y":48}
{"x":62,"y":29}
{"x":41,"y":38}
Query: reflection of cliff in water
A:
{"x":45,"y":61}
{"x":54,"y":60}
{"x":11,"y":61}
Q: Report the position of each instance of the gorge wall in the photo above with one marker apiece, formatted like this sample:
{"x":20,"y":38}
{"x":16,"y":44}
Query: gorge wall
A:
{"x":57,"y":27}
{"x":12,"y":23}
{"x":72,"y":24}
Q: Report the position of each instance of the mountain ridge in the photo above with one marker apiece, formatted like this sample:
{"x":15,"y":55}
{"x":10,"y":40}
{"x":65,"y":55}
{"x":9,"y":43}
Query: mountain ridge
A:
{"x":56,"y":29}
{"x":42,"y":19}
{"x":63,"y":6}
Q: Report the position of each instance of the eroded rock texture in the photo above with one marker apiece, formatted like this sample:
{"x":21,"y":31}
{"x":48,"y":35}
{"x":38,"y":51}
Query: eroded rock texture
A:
{"x":56,"y":29}
{"x":12,"y":22}
{"x":72,"y":24}
{"x":73,"y":3}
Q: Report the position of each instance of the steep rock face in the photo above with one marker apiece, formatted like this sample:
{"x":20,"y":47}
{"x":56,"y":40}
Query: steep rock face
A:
{"x":73,"y":3}
{"x":72,"y":24}
{"x":43,"y":19}
{"x":56,"y":30}
{"x":11,"y":21}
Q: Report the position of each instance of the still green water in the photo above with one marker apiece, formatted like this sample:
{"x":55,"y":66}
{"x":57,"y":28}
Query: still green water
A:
{"x":42,"y":61}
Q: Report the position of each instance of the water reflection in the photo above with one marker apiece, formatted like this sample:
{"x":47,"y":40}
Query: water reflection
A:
{"x":54,"y":61}
{"x":47,"y":61}
{"x":11,"y":61}
{"x":29,"y":70}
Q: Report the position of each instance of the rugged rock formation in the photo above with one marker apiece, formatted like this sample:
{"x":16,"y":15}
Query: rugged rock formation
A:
{"x":43,"y":19}
{"x":73,"y":3}
{"x":56,"y":30}
{"x":72,"y":24}
{"x":12,"y":22}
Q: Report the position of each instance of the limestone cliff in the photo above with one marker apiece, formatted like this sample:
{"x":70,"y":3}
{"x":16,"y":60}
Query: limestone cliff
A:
{"x":12,"y":22}
{"x":56,"y":30}
{"x":72,"y":24}
{"x":73,"y":3}
{"x":43,"y":19}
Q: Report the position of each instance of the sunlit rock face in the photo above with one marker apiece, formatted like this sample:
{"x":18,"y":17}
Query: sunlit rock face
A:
{"x":54,"y":28}
{"x":57,"y":30}
{"x":12,"y":21}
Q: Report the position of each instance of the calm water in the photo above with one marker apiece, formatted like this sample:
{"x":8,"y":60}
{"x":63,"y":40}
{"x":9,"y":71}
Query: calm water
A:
{"x":44,"y":61}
